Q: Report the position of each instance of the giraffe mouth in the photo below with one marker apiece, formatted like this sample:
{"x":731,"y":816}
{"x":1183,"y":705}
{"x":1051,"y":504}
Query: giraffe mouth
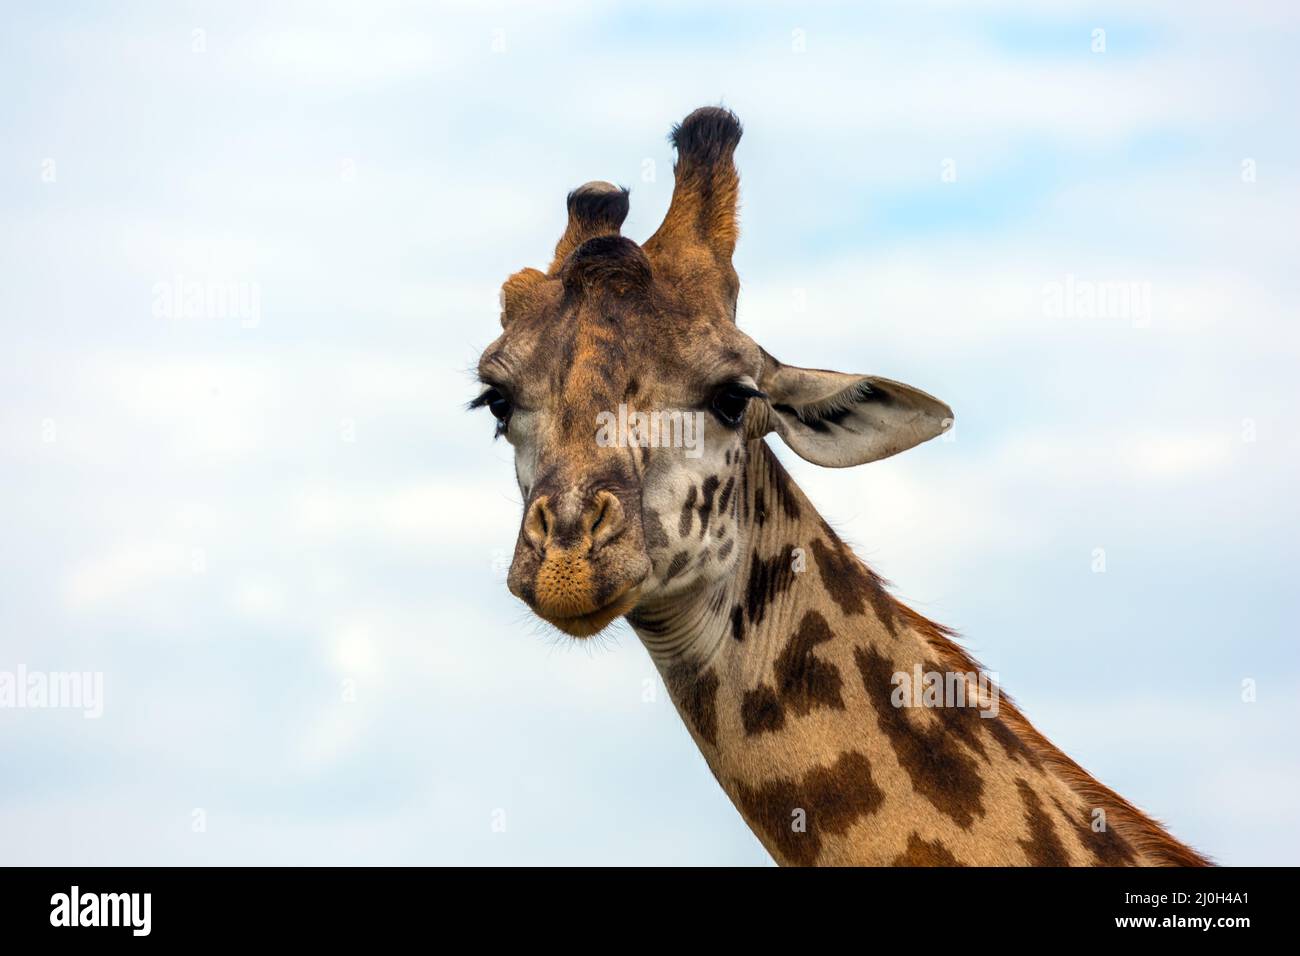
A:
{"x":593,"y":622}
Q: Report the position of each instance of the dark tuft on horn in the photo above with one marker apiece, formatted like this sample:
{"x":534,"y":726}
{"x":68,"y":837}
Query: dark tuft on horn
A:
{"x":706,"y":136}
{"x":607,"y":263}
{"x":701,"y":219}
{"x":595,"y":209}
{"x":599,"y":205}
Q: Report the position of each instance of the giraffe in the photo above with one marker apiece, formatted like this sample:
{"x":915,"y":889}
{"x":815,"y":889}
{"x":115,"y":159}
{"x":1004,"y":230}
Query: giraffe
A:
{"x":786,"y":656}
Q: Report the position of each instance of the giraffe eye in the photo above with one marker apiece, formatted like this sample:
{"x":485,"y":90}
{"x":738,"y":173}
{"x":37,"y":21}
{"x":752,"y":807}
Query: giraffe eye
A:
{"x":730,"y":401}
{"x":498,"y":405}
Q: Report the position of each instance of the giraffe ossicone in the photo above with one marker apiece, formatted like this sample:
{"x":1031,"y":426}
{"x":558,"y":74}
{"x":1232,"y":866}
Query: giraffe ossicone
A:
{"x":782,"y":651}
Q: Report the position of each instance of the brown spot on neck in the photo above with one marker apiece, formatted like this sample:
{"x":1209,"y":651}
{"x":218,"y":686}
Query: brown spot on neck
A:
{"x":939,"y":769}
{"x":851,"y":584}
{"x":696,"y":692}
{"x":767,"y":579}
{"x":761,"y":711}
{"x":831,"y":798}
{"x":968,"y":724}
{"x":925,"y":853}
{"x":1107,"y":847}
{"x":803,"y":682}
{"x":1042,"y":847}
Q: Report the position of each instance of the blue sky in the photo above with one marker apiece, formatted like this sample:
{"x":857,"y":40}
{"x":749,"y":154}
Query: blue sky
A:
{"x":236,"y":517}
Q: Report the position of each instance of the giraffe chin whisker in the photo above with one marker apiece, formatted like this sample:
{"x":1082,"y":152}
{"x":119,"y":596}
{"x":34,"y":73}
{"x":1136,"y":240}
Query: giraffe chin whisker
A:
{"x":593,"y":622}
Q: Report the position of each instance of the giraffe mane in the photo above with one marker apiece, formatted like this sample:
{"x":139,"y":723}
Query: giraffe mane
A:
{"x":1146,"y":834}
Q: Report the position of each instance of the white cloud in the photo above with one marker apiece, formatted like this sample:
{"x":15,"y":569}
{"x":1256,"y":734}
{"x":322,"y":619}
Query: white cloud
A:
{"x":130,"y":569}
{"x":446,"y":517}
{"x":258,"y":597}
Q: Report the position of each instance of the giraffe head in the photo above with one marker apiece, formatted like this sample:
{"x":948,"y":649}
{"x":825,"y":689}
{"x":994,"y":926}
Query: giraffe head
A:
{"x":630,"y":395}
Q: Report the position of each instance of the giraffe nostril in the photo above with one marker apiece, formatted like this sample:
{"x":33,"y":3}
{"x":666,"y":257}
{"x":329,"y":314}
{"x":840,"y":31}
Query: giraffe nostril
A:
{"x":600,"y":517}
{"x":538,"y":524}
{"x":606,"y":518}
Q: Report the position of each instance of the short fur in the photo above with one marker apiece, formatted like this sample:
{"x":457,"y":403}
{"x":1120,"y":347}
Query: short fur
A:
{"x":779,"y":647}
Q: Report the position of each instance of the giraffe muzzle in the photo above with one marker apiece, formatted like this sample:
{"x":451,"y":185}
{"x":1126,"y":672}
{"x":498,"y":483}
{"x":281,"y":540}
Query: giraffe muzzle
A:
{"x":579,"y":567}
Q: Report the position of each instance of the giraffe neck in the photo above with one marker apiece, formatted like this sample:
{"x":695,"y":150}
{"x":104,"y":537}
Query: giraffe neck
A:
{"x":795,"y":678}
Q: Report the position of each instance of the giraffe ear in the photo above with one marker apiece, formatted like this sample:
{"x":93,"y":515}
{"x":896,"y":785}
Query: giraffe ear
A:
{"x":837,"y":419}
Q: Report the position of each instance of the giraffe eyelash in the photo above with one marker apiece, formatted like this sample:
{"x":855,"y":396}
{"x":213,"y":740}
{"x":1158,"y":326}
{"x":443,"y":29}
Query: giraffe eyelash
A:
{"x":495,"y":399}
